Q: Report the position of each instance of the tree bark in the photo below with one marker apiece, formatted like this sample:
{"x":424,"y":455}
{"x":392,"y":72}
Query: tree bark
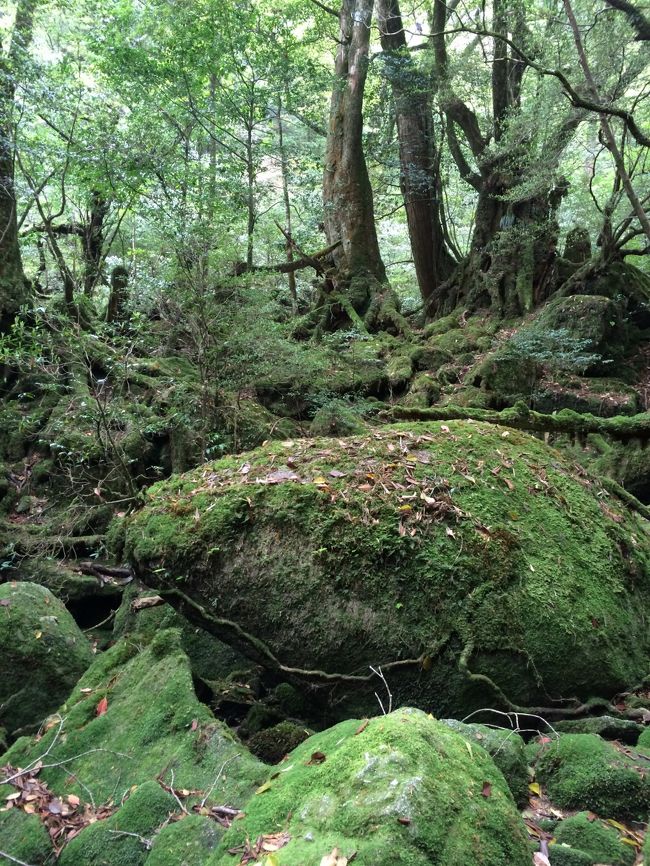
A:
{"x":347,"y":194}
{"x":284,"y":169}
{"x":93,"y":241}
{"x":419,"y":160}
{"x":14,"y":287}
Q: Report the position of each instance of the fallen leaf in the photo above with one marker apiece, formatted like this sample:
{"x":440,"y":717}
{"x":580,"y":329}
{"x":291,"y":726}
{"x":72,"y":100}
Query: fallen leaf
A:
{"x":244,"y":469}
{"x":486,"y":790}
{"x":334,"y":859}
{"x":263,"y":788}
{"x":364,"y":724}
{"x":146,"y":601}
{"x":101,"y":707}
{"x":535,"y":788}
{"x":38,"y":635}
{"x":404,"y":821}
{"x":444,"y":428}
{"x":4,"y":602}
{"x":335,"y":473}
{"x":194,"y":725}
{"x":317,"y":758}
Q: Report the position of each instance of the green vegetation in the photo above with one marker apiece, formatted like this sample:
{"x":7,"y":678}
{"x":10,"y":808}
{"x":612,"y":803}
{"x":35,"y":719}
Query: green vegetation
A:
{"x":581,"y":771}
{"x":324,"y":393}
{"x":43,"y":655}
{"x":417,"y":542}
{"x":404,"y":789}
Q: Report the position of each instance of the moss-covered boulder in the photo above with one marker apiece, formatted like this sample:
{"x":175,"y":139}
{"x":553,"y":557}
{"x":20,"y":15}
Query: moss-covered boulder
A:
{"x":272,"y":744}
{"x":132,"y":717}
{"x":23,"y":837}
{"x":600,"y":842}
{"x":190,"y":841}
{"x":42,"y":655}
{"x":583,"y":771}
{"x":607,"y":727}
{"x":416,"y":547}
{"x":126,"y":837}
{"x":398,"y":789}
{"x":506,"y":749}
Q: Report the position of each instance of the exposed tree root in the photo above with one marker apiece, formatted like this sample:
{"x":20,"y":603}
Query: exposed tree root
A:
{"x":573,"y":708}
{"x":255,"y":649}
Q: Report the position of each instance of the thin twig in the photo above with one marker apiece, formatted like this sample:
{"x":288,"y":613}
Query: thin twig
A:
{"x":175,"y":795}
{"x":13,"y":859}
{"x":30,"y":766}
{"x":146,"y":842}
{"x":99,"y":624}
{"x":214,"y":784}
{"x":378,"y":672}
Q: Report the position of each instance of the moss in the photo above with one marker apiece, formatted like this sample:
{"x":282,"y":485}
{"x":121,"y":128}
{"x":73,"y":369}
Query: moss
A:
{"x":399,"y":369}
{"x":507,"y":751}
{"x":603,"y":397}
{"x":423,"y":391}
{"x":43,"y":654}
{"x":404,"y":790}
{"x":358,"y":569}
{"x":109,"y":843}
{"x":153,"y":724}
{"x":336,"y":418}
{"x":607,"y":727}
{"x":643,"y":744}
{"x":602,"y":843}
{"x":210,"y":659}
{"x":564,"y":855}
{"x":442,"y":325}
{"x":24,"y":837}
{"x":582,"y":771}
{"x":188,"y":842}
{"x":272,"y":744}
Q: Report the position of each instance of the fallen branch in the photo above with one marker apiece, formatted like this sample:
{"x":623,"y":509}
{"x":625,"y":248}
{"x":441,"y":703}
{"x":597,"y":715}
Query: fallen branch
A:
{"x":146,"y":842}
{"x":214,"y":784}
{"x":520,"y":417}
{"x":97,"y":569}
{"x":308,"y":261}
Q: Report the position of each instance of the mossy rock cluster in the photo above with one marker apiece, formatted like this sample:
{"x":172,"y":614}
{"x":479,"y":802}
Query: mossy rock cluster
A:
{"x":398,"y":789}
{"x":42,"y":655}
{"x":416,"y":547}
{"x":582,"y":838}
{"x":583,"y":771}
{"x":131,"y":725}
{"x":506,"y":749}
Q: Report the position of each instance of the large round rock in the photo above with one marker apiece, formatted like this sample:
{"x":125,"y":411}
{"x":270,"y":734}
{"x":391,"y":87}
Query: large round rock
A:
{"x":477,"y":565}
{"x":42,"y":655}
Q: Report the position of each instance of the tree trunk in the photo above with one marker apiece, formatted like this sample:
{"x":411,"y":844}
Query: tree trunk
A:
{"x":93,"y":242}
{"x":347,"y":194}
{"x":419,"y":160}
{"x":284,"y":168}
{"x":14,"y":287}
{"x":119,"y":295}
{"x":511,"y":267}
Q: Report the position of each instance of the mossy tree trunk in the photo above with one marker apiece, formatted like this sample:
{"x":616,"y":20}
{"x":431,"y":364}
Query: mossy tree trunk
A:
{"x":512,"y":260}
{"x":14,"y":287}
{"x":419,"y":157}
{"x":357,"y":288}
{"x":93,"y":241}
